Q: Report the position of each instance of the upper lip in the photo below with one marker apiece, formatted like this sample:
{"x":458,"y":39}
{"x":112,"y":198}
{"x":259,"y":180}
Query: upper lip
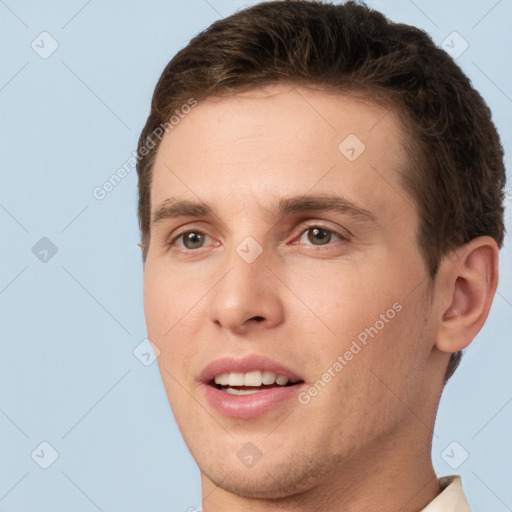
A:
{"x":244,"y":365}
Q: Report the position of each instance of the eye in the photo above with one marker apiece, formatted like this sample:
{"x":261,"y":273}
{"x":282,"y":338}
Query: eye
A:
{"x":318,"y":235}
{"x":190,"y":239}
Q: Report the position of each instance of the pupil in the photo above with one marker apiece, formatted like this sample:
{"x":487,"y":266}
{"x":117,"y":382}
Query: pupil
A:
{"x":319,"y":235}
{"x":193,"y":240}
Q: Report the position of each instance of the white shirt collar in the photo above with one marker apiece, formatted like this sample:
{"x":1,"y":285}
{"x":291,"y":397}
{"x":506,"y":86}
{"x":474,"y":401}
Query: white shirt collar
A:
{"x":451,"y":499}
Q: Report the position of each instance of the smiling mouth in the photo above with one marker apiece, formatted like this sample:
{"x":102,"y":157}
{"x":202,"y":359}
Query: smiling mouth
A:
{"x":249,"y":383}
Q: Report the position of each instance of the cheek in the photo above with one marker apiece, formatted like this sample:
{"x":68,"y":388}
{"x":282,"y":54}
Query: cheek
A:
{"x":369,"y":319}
{"x":169,"y":309}
{"x":345,"y":302}
{"x":171,"y":304}
{"x":168,"y":297}
{"x":156,"y":299}
{"x":393,"y":361}
{"x":375,"y":383}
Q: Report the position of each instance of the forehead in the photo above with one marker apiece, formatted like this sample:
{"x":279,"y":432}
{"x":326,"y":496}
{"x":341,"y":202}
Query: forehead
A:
{"x":282,"y":140}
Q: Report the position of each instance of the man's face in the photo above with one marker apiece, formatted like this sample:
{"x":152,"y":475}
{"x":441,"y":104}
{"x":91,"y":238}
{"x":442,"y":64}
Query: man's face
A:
{"x":334,"y":299}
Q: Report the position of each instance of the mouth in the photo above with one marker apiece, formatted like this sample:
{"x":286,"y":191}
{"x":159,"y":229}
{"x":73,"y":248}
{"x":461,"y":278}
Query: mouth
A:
{"x":250,"y":387}
{"x":249,"y":383}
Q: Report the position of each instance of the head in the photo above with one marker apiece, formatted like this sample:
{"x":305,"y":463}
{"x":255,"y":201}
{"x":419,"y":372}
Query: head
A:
{"x":271,"y":106}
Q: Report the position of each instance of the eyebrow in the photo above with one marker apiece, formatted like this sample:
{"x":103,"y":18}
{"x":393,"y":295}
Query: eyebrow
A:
{"x":322,"y":203}
{"x":174,"y":208}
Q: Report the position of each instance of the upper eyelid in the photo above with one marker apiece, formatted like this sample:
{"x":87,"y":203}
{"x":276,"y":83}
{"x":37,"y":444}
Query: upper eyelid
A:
{"x":306,"y":224}
{"x":303,"y":217}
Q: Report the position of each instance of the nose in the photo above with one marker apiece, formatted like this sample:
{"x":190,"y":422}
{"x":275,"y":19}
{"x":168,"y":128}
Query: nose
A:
{"x":248,"y":296}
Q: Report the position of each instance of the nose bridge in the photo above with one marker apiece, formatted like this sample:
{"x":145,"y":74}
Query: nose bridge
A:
{"x":246,"y":292}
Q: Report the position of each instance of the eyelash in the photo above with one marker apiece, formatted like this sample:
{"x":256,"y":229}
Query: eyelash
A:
{"x":342,"y":237}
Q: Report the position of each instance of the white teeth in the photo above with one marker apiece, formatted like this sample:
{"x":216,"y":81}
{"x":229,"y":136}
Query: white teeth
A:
{"x":252,"y":378}
{"x":255,"y":378}
{"x":281,"y":380}
{"x":234,"y":391}
{"x":222,"y":379}
{"x":268,"y":378}
{"x":236,"y":379}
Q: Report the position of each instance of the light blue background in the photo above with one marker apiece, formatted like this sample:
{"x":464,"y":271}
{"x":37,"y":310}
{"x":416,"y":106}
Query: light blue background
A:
{"x":69,"y":326}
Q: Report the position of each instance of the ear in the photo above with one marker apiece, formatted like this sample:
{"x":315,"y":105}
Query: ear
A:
{"x":469,"y":278}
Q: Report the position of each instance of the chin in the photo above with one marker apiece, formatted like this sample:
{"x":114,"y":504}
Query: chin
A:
{"x":267,"y":479}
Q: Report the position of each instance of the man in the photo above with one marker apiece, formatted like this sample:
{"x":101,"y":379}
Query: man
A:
{"x":320,"y":201}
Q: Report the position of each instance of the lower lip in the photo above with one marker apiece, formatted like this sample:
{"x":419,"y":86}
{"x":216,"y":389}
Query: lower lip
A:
{"x":247,"y":407}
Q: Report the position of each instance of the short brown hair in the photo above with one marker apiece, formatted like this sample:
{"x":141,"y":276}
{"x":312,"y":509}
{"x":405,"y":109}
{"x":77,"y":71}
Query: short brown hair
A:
{"x":455,"y":174}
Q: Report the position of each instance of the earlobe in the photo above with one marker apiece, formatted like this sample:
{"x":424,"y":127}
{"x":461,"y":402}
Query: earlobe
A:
{"x":471,"y":279}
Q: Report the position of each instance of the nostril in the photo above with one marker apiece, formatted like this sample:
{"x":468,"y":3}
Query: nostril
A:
{"x":257,"y":318}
